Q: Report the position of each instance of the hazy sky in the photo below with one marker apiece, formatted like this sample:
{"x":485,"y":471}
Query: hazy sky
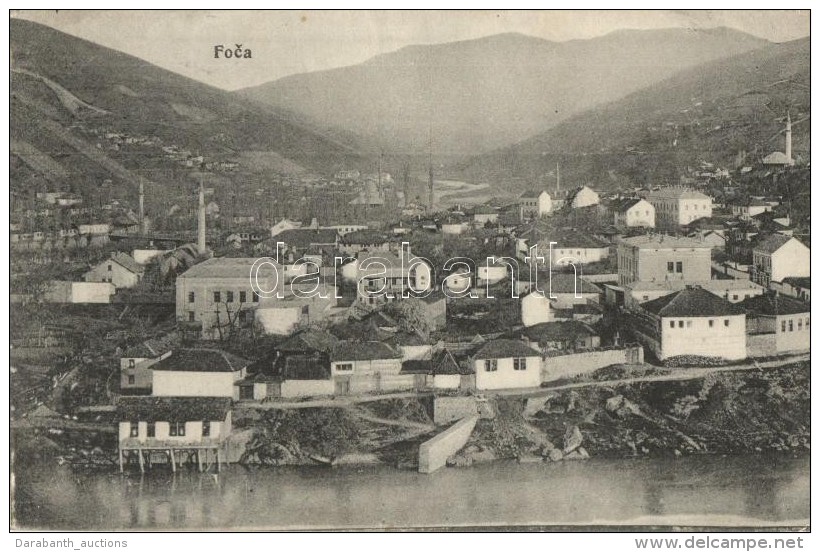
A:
{"x":283,"y":43}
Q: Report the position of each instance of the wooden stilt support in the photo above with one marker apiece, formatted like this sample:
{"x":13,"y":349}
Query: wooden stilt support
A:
{"x":142,"y":461}
{"x":121,"y":466}
{"x":199,"y":459}
{"x":218,"y":466}
{"x":173,"y":461}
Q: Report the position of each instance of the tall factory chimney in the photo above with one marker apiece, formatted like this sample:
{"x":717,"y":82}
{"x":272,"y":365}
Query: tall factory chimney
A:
{"x":788,"y":151}
{"x":200,"y":238}
{"x":142,"y":207}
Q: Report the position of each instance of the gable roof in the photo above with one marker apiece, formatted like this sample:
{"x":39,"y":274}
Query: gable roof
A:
{"x":305,"y":237}
{"x":676,"y":192}
{"x":505,"y":348}
{"x":799,"y":281}
{"x":225,"y":267}
{"x":773,"y":242}
{"x":309,"y":340}
{"x":127,"y":262}
{"x":201,"y":360}
{"x":547,"y":332}
{"x":772,"y":304}
{"x":366,"y":350}
{"x":692,"y":302}
{"x":533,"y":194}
{"x":172,"y":409}
{"x":624,"y":205}
{"x":154,"y":347}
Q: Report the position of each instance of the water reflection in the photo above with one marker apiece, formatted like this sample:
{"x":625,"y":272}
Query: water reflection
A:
{"x":752,"y":490}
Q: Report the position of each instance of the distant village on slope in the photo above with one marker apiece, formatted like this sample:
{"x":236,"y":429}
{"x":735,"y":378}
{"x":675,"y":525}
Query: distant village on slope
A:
{"x":158,"y":339}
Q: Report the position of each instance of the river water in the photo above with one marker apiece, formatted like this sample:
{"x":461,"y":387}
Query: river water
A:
{"x":693,"y":491}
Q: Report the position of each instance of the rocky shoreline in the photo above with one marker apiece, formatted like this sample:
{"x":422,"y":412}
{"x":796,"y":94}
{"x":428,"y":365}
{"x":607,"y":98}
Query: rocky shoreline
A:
{"x":727,"y":413}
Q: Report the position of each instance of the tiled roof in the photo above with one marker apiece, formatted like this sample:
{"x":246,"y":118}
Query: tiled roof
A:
{"x":445,"y":364}
{"x":365,"y":237}
{"x":802,"y":282}
{"x":367,"y":350}
{"x":547,"y":332}
{"x":532,"y":194}
{"x":127,"y":261}
{"x":505,"y":348}
{"x":305,"y":367}
{"x":172,"y":409}
{"x":662,"y":241}
{"x":154,"y":347}
{"x":676,"y":192}
{"x":310,"y":339}
{"x":691,"y":302}
{"x":624,"y":205}
{"x":772,"y":243}
{"x":201,"y":360}
{"x":772,"y":305}
{"x":225,"y":267}
{"x":305,"y":237}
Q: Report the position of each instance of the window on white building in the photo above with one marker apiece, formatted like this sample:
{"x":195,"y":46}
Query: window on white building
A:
{"x":135,"y":429}
{"x":490,"y":365}
{"x":519,"y":364}
{"x":176,"y":429}
{"x":348,"y":367}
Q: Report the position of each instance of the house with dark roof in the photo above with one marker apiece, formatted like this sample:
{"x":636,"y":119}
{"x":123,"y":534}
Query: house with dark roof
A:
{"x":367,"y":366}
{"x":570,"y":336}
{"x":120,"y":269}
{"x":367,"y":240}
{"x":506,"y":364}
{"x":297,"y":367}
{"x":198,"y":372}
{"x":632,"y":212}
{"x":777,"y":324}
{"x":167,"y":423}
{"x":776,"y":257}
{"x":534,"y":204}
{"x":692,"y":321}
{"x":799,"y":288}
{"x":136,"y":375}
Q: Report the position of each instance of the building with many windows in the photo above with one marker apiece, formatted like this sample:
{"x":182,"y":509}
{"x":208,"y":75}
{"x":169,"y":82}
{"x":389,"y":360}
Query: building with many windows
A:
{"x":778,"y":257}
{"x":678,"y":206}
{"x":692,"y":322}
{"x":660,"y":258}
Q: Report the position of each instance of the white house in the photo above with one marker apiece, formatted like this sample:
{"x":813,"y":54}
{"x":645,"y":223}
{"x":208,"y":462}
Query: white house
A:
{"x":198,"y":373}
{"x":173,"y":421}
{"x":534,"y":204}
{"x":506,"y":364}
{"x":693,"y":321}
{"x":778,"y":257}
{"x":120,"y":269}
{"x":630,"y":213}
{"x":535,"y":308}
{"x":750,"y":208}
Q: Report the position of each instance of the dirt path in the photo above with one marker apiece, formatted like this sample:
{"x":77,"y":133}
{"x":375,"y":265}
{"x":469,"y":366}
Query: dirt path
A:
{"x":337,"y":402}
{"x":681,"y":374}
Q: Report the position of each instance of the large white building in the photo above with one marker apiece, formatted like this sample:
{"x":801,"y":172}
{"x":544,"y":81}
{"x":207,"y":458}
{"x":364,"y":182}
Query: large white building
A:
{"x":534,"y":204}
{"x":695,"y":322}
{"x":583,"y":197}
{"x":678,"y":206}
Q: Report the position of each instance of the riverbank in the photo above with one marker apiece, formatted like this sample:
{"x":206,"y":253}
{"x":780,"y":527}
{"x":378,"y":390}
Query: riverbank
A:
{"x":723,"y":413}
{"x":727,"y":413}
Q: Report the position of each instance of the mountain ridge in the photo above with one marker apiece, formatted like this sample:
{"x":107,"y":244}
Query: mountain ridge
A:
{"x":484,"y":93}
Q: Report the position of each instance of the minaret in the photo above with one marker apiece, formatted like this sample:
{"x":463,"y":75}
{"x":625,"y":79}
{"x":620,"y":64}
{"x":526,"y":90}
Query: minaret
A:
{"x":142,"y":207}
{"x":200,"y":238}
{"x":788,"y":151}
